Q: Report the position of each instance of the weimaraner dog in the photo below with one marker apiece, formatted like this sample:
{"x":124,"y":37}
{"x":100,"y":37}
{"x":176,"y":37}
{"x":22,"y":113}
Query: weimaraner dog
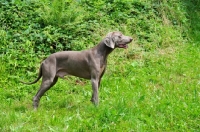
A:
{"x":88,"y":64}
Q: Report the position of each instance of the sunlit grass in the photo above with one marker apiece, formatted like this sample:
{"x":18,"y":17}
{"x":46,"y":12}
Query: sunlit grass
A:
{"x":162,"y":94}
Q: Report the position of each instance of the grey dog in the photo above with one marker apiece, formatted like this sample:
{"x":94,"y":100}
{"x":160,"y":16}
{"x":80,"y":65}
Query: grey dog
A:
{"x":88,"y":64}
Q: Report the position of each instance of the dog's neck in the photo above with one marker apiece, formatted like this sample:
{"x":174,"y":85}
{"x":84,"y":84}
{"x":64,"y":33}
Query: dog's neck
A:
{"x":103,"y":49}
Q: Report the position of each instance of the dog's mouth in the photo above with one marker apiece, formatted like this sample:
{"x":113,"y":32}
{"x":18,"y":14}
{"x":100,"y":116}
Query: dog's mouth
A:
{"x":125,"y":46}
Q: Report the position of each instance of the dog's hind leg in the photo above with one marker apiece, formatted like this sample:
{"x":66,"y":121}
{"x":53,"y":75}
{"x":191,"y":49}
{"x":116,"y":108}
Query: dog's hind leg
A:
{"x":46,"y":85}
{"x":49,"y":79}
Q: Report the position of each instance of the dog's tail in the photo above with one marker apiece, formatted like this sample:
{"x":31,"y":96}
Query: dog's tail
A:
{"x":38,"y":78}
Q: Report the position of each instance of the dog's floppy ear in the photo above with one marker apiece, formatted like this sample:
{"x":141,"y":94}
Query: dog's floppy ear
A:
{"x":109,"y":41}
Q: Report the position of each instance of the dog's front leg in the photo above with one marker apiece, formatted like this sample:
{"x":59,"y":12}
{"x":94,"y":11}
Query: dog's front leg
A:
{"x":95,"y":97}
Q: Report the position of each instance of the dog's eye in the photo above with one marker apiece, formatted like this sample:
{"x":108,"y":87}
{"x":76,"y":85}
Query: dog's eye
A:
{"x":120,"y":36}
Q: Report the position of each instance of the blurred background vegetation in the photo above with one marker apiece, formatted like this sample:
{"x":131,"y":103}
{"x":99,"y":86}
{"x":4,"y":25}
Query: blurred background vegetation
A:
{"x":36,"y":28}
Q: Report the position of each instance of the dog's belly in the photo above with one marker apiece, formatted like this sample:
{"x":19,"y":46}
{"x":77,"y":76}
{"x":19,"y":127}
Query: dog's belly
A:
{"x":63,"y":72}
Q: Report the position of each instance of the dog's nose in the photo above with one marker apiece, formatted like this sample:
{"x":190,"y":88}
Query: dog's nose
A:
{"x":131,"y":39}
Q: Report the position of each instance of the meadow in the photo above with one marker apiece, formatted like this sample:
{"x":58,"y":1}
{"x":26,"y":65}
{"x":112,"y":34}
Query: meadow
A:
{"x":154,"y":85}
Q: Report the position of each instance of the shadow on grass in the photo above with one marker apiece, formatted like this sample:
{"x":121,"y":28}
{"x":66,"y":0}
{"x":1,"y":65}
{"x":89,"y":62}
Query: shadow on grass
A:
{"x":193,"y":14}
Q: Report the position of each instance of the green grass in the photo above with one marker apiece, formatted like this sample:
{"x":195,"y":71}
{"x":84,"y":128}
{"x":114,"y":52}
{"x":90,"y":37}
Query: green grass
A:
{"x":157,"y":92}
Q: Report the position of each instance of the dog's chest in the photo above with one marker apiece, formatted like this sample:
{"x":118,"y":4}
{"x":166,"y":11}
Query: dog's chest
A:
{"x":102,"y":66}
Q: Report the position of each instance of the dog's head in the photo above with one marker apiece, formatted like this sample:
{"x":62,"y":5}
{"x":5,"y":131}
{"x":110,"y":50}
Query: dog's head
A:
{"x":117,"y":39}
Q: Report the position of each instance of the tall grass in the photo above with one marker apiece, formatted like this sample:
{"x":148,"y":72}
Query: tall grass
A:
{"x":60,"y":12}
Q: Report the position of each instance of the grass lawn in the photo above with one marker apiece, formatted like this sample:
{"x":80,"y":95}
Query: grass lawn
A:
{"x":140,"y":91}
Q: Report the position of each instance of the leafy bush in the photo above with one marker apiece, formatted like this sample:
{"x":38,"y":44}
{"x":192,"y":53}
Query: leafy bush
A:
{"x":49,"y":26}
